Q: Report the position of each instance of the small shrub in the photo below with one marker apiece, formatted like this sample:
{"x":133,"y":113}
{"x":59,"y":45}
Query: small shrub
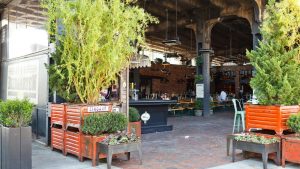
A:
{"x":198,"y":104}
{"x":117,"y":122}
{"x":294,"y":122}
{"x":134,"y":115}
{"x":16,"y":113}
{"x":99,"y":123}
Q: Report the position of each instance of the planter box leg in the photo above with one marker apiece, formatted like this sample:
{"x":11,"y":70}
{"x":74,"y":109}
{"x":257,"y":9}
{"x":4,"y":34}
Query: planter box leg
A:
{"x":109,"y":159}
{"x":265,"y":159}
{"x":140,"y":155}
{"x":128,"y":156}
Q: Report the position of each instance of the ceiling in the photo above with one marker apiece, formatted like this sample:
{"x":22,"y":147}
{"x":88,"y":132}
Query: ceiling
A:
{"x":189,"y":12}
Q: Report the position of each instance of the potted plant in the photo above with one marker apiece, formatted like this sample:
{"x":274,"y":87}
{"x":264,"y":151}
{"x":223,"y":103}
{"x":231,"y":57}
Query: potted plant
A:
{"x":291,"y":142}
{"x":16,"y":138}
{"x":198,"y":107}
{"x":134,"y":125}
{"x":263,"y":144}
{"x":95,"y":41}
{"x":276,"y":61}
{"x":119,"y":143}
{"x":96,"y":127}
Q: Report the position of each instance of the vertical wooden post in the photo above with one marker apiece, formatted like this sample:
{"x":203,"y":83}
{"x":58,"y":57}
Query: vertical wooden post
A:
{"x":124,"y":91}
{"x":237,"y":83}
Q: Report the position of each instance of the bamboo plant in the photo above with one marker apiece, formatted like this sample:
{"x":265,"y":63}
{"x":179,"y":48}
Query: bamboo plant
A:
{"x":95,"y":40}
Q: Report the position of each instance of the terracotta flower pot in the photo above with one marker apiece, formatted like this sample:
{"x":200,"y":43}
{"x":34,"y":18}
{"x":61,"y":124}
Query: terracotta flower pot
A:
{"x":135,"y":127}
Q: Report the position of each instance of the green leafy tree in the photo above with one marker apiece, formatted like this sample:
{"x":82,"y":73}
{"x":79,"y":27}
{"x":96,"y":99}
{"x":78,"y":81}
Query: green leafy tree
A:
{"x":276,"y":60}
{"x":95,"y":39}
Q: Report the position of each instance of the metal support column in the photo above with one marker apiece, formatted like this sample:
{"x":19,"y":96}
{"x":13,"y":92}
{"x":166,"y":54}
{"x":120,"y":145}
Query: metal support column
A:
{"x":206,"y":80}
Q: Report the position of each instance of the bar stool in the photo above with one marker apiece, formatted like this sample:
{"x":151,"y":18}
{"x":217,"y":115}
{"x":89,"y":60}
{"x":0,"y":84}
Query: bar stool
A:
{"x":238,"y":115}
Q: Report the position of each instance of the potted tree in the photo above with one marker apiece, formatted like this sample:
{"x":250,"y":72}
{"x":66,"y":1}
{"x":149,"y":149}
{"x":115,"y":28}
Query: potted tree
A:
{"x":93,"y":44}
{"x":276,"y":61}
{"x":134,"y":125}
{"x":96,"y":128}
{"x":291,"y":142}
{"x":198,"y":107}
{"x":95,"y":41}
{"x":15,"y":118}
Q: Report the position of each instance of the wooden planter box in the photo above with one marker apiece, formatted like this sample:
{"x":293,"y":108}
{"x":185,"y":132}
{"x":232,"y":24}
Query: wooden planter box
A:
{"x":72,"y":143}
{"x":16,"y":149}
{"x":58,"y":139}
{"x":269,"y":117}
{"x":135,"y":127}
{"x":75,"y":113}
{"x":109,"y":150}
{"x":89,"y":146}
{"x":263,"y":149}
{"x":290,"y":149}
{"x":58,"y":114}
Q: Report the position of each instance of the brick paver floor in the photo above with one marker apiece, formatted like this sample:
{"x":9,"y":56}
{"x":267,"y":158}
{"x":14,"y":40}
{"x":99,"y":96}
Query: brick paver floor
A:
{"x":195,"y":143}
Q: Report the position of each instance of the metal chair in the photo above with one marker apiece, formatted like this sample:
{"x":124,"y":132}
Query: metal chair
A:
{"x":239,"y":114}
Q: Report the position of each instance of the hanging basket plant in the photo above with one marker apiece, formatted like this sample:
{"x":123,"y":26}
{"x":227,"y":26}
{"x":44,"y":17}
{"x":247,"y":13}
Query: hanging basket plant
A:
{"x":95,"y":40}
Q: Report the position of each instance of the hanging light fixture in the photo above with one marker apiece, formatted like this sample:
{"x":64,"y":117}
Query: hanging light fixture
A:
{"x":171,"y":42}
{"x":165,"y":63}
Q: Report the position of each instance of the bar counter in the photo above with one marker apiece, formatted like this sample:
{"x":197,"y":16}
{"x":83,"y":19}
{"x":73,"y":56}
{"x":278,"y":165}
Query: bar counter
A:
{"x":158,"y":110}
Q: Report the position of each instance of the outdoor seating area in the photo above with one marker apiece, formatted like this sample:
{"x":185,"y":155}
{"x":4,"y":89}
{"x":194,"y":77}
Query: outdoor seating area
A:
{"x":150,"y":84}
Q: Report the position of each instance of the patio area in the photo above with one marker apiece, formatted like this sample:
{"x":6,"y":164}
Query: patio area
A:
{"x":194,"y":143}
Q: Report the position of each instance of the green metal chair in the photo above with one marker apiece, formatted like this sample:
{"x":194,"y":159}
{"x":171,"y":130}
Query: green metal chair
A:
{"x":239,"y":114}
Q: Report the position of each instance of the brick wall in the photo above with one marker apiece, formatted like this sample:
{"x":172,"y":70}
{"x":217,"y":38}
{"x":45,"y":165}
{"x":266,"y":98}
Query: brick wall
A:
{"x":176,"y":80}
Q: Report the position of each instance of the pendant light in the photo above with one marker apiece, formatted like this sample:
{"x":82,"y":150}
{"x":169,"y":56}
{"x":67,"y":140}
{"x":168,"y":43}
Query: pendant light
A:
{"x":171,"y":42}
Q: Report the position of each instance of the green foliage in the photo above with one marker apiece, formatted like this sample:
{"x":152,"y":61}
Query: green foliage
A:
{"x":198,"y":79}
{"x":198,"y":104}
{"x":199,"y":60}
{"x":16,"y":113}
{"x":120,"y":138}
{"x":97,"y":40}
{"x":294,"y":122}
{"x":134,"y":115}
{"x":276,"y":60}
{"x":256,"y":139}
{"x":99,"y":123}
{"x":58,"y":79}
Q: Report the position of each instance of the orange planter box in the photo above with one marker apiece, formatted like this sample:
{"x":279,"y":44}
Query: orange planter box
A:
{"x":269,"y":117}
{"x":72,"y":143}
{"x":135,"y":126}
{"x":88,"y":147}
{"x":57,"y":139}
{"x":58,"y":114}
{"x":75,"y":113}
{"x":290,"y":149}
